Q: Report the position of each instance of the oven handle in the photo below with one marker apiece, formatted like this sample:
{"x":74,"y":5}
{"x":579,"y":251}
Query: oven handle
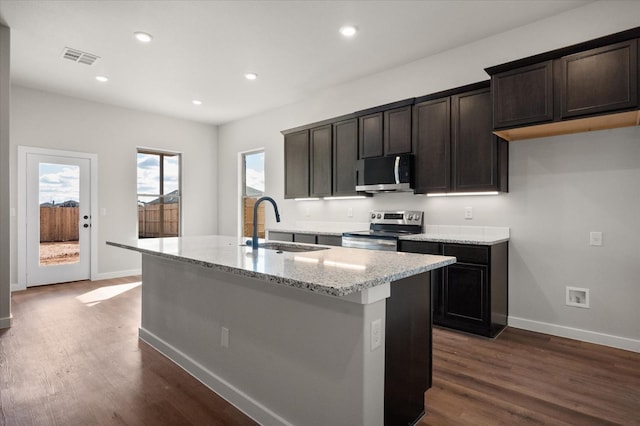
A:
{"x":385,"y":244}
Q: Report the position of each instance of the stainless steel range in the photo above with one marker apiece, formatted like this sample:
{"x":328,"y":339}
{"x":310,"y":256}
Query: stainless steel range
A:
{"x":385,"y":228}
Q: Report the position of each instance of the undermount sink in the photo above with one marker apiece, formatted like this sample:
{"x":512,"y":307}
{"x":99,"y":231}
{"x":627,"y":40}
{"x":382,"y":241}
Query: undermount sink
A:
{"x":290,"y":247}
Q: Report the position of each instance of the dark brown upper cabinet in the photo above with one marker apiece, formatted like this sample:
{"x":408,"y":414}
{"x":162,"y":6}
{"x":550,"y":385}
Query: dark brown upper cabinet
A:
{"x":345,"y":155}
{"x":371,"y":138}
{"x":587,"y":86}
{"x":475,"y":149}
{"x":320,"y":161}
{"x":599,"y":80}
{"x":397,"y":131}
{"x":432,"y":139}
{"x":456,"y":150}
{"x":296,"y":161}
{"x":386,"y":130}
{"x":523,"y":95}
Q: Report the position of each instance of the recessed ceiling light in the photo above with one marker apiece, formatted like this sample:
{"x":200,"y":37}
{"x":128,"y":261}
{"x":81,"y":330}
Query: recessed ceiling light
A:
{"x":348,"y":31}
{"x":143,"y":37}
{"x":196,"y":102}
{"x":102,"y":78}
{"x":251,"y":76}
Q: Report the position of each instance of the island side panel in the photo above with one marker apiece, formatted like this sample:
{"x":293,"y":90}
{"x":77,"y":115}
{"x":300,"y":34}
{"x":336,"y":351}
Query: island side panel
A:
{"x":408,"y":349}
{"x":294,"y":357}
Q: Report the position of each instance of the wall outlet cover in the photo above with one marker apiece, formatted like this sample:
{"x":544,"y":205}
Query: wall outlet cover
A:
{"x":578,"y":297}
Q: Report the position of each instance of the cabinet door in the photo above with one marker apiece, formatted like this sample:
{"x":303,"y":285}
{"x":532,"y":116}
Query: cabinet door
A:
{"x":523,"y":95}
{"x":466,"y":294}
{"x":296,"y":165}
{"x":397,"y":131}
{"x":475,"y":147}
{"x":599,"y":80}
{"x":370,"y":140}
{"x":345,"y":155}
{"x":320,"y":159}
{"x":432,"y":142}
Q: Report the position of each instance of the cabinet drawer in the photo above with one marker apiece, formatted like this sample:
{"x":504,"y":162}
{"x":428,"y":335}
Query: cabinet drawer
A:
{"x":304,"y":238}
{"x":329,"y":240}
{"x":424,"y":247}
{"x":281,"y":236}
{"x":468,"y":253}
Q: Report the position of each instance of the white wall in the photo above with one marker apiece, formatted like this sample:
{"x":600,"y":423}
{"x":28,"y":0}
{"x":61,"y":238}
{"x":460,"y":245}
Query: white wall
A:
{"x":5,"y":180}
{"x":47,"y":120}
{"x":561,"y":187}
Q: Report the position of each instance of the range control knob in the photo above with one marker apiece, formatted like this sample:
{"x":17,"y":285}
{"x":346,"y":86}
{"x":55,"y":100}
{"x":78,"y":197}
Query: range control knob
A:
{"x":409,"y":217}
{"x":379,"y":216}
{"x":373,"y":215}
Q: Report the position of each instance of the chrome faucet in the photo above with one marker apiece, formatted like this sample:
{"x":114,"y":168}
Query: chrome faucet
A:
{"x":254,"y":239}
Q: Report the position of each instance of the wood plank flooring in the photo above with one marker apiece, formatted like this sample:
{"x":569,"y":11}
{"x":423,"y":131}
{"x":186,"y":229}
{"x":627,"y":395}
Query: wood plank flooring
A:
{"x":73,"y":357}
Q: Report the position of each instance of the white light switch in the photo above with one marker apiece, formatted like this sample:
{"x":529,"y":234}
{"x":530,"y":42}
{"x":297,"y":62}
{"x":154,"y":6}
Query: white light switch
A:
{"x":224,"y":337}
{"x":350,"y":212}
{"x":12,"y":212}
{"x":468,"y":212}
{"x":595,"y":238}
{"x":103,"y":211}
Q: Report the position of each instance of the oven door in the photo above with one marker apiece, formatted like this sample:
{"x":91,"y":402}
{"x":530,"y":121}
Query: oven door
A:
{"x":370,"y":242}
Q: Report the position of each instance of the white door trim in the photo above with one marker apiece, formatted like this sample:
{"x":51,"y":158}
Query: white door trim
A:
{"x":23,"y":151}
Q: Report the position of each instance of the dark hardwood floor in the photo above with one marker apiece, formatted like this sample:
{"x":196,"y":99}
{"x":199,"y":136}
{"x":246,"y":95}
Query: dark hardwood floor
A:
{"x":73,"y":357}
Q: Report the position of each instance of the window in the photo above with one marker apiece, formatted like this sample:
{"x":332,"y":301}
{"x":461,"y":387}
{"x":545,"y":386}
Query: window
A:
{"x":158,"y":194}
{"x":252,"y":189}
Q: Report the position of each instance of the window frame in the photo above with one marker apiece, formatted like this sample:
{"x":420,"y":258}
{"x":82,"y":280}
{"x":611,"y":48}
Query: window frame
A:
{"x":162,"y":154}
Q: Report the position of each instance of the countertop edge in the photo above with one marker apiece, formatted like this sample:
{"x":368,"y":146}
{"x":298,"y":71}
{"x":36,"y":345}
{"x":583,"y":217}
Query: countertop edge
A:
{"x":289,"y":282}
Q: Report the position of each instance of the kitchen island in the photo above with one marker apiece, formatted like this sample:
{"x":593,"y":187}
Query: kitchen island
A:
{"x":334,"y":336}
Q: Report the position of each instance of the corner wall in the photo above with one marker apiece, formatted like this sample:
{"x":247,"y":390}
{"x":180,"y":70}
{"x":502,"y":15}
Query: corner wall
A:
{"x":48,"y":120}
{"x":561,"y":188}
{"x":5,"y":180}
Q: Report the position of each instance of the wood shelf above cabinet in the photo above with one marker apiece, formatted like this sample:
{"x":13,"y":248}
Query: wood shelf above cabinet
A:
{"x":601,"y":122}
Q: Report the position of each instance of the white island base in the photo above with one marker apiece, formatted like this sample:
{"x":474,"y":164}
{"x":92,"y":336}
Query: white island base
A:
{"x":293,"y":357}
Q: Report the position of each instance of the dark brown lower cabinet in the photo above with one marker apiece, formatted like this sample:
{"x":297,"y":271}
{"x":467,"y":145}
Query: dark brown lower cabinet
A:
{"x":407,"y":366}
{"x":304,"y":237}
{"x":472,"y":294}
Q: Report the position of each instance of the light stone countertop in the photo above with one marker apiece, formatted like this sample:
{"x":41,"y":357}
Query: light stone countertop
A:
{"x":478,"y":235}
{"x":337,"y":271}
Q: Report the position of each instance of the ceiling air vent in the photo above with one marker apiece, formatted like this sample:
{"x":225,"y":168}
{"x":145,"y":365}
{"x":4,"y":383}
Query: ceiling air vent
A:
{"x":79,"y":56}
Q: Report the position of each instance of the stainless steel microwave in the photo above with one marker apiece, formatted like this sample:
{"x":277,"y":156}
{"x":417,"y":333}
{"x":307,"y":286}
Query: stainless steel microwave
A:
{"x":385,"y":174}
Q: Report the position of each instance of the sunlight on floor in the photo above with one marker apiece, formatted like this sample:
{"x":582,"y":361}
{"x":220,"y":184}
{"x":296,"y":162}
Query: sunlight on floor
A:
{"x":93,"y":297}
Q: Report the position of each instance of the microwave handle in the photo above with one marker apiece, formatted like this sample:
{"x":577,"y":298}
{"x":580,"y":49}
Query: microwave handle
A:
{"x":396,"y":169}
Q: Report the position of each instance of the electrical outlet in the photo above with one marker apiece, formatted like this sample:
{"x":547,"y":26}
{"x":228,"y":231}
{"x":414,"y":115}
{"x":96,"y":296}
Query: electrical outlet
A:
{"x":376,"y":334}
{"x":307,"y":212}
{"x":224,"y":337}
{"x":595,"y":238}
{"x":468,"y":212}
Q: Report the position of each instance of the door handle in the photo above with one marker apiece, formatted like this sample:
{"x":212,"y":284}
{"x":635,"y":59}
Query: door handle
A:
{"x":86,"y":225}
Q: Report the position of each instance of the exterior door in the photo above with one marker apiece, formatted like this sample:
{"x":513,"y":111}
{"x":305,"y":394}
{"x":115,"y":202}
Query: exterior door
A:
{"x":58,"y":219}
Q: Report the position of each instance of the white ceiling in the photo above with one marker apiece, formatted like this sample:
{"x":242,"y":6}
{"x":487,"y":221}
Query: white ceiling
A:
{"x":201,"y":49}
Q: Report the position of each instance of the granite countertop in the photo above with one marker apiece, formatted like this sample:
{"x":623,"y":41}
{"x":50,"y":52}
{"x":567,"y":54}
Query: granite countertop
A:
{"x":336,"y":271}
{"x":479,"y":235}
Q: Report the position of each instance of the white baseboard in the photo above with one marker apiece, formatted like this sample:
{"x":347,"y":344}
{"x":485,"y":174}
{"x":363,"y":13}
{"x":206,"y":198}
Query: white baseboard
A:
{"x":17,"y":287}
{"x":576,"y":334}
{"x":243,"y":402}
{"x":116,"y":274}
{"x":6,"y":322}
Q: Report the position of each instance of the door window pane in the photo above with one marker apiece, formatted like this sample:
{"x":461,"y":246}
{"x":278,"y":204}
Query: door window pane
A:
{"x":59,"y":197}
